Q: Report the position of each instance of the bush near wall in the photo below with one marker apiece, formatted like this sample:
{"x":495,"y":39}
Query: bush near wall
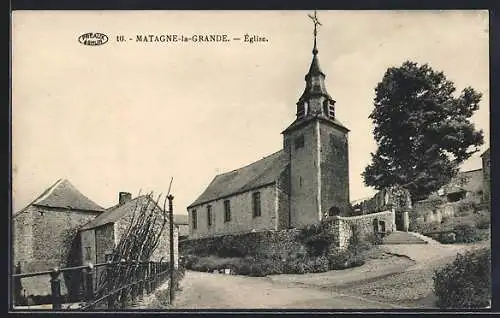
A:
{"x":466,"y":283}
{"x":299,"y":258}
{"x":256,"y":244}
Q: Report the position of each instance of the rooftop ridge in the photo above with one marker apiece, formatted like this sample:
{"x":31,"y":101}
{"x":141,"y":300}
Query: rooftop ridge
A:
{"x":250,"y":164}
{"x":48,"y":192}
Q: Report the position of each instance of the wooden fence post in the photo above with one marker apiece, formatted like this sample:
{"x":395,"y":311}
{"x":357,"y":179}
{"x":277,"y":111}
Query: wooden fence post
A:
{"x":141,"y":278}
{"x":89,"y":283}
{"x":55,"y":287}
{"x":124,"y":292}
{"x":146,"y":276}
{"x":134,"y":288}
{"x":109,"y":272}
{"x":153,"y":276}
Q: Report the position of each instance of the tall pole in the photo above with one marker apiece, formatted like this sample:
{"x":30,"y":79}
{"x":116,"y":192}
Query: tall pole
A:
{"x":172,"y":263}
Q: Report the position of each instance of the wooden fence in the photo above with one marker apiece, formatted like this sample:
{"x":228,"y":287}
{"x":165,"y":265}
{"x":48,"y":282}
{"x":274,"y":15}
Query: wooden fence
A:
{"x":145,"y":281}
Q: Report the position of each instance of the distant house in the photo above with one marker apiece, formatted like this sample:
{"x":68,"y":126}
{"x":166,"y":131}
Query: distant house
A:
{"x":181,"y":221}
{"x":101,"y":235}
{"x":467,"y":184}
{"x":45,"y":233}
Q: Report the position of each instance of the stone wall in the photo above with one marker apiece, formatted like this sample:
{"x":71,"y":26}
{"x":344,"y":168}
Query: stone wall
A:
{"x":364,"y":223}
{"x":104,"y":242}
{"x":386,"y":199}
{"x":44,"y":237}
{"x":256,"y":244}
{"x":22,"y":237}
{"x":283,"y":199}
{"x":242,"y":219}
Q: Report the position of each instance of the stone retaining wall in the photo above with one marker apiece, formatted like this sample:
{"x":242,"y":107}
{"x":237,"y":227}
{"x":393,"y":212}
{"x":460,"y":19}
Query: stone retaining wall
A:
{"x":342,"y":226}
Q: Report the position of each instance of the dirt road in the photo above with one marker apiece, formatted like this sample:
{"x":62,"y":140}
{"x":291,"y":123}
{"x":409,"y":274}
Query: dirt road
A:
{"x":218,"y":291}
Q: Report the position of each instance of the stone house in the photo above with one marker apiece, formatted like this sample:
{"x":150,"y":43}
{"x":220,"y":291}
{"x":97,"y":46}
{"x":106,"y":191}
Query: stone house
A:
{"x":101,"y":235}
{"x":44,"y":232}
{"x":181,"y":221}
{"x":467,"y":184}
{"x":294,"y":187}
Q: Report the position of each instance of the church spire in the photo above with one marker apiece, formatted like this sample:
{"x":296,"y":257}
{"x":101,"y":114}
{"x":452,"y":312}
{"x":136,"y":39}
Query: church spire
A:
{"x":315,"y":100}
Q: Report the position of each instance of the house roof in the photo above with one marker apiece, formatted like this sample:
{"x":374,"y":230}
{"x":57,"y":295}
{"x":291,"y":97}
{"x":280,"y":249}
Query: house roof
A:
{"x":117,"y":212}
{"x":471,"y":181}
{"x":63,"y":194}
{"x":181,"y":219}
{"x":252,"y":176}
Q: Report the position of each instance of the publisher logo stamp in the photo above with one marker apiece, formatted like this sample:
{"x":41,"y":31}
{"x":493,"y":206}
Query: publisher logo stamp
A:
{"x":93,"y":39}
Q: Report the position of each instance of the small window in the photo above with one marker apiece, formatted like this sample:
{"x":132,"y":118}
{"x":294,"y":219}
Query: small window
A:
{"x":209,"y":215}
{"x":256,"y":204}
{"x":227,"y":211}
{"x":195,"y":219}
{"x":299,"y":142}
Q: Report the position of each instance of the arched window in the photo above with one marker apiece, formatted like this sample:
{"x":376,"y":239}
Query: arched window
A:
{"x":333,"y":211}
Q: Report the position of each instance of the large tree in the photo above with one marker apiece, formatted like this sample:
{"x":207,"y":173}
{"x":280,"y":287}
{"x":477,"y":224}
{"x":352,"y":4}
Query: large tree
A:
{"x":423,"y":131}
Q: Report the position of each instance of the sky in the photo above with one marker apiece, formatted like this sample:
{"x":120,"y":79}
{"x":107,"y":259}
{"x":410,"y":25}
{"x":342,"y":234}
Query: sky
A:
{"x":129,"y":116}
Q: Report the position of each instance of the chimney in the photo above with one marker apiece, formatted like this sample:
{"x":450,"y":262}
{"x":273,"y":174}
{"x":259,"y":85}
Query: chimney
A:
{"x":124,"y":197}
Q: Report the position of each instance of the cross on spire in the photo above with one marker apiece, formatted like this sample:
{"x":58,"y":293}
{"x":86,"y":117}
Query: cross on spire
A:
{"x":316,"y":23}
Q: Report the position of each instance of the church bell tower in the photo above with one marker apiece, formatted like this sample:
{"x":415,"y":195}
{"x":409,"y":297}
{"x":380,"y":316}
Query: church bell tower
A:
{"x":316,"y":146}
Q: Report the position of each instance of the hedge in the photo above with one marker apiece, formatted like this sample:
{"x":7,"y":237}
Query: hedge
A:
{"x":465,"y":283}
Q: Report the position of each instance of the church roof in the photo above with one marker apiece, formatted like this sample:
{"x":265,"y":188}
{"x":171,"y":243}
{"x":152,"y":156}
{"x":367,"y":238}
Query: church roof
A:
{"x":63,"y":194}
{"x":252,"y":176}
{"x":118,"y":211}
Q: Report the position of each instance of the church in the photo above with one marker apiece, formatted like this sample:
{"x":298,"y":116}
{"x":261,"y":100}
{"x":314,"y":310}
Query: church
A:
{"x":299,"y":185}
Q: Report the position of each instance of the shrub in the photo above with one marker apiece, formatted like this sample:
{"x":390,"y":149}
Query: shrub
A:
{"x":466,"y":233}
{"x":466,"y":207}
{"x":318,"y":244}
{"x":422,"y":226}
{"x":373,"y":239}
{"x":342,"y":259}
{"x":190,"y":260}
{"x":318,"y":265}
{"x":483,"y":221}
{"x":465,"y":283}
{"x":447,"y":238}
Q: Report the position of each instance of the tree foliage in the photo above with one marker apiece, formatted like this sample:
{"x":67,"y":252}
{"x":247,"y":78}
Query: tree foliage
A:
{"x":423,"y":132}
